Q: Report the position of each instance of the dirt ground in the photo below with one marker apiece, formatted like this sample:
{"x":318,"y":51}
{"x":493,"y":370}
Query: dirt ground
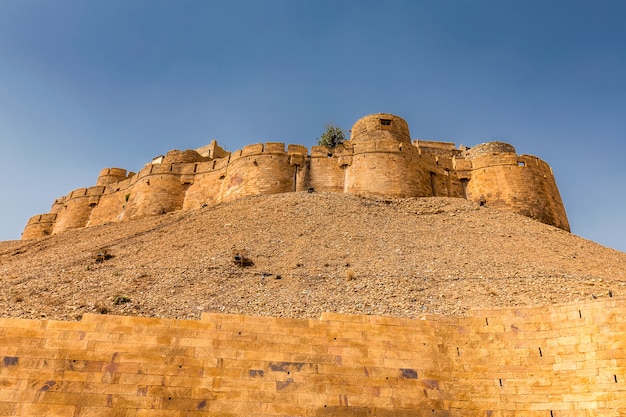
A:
{"x":303,"y":254}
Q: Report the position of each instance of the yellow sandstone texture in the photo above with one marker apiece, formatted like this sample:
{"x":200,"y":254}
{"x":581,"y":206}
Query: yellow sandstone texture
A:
{"x":567,"y":360}
{"x":380,"y":159}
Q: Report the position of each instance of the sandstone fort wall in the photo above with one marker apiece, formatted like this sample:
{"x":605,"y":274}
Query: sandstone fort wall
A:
{"x":379,"y":159}
{"x":524,"y":184}
{"x":327,"y":172}
{"x":557,"y":361}
{"x":39,"y":225}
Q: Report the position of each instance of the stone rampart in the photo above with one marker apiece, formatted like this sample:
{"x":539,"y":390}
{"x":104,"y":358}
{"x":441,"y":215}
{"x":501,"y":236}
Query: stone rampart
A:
{"x":393,"y":172}
{"x":524,"y":184}
{"x":326,"y":172}
{"x":39,"y":225}
{"x":259,"y":169}
{"x":77,"y":207}
{"x":558,"y":361}
{"x":380,"y":159}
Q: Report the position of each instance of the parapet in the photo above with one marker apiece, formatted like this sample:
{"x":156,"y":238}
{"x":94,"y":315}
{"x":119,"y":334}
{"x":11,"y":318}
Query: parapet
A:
{"x":379,"y":159}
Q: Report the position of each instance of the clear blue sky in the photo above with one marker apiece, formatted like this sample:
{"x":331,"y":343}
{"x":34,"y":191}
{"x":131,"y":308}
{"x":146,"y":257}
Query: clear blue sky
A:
{"x":91,"y":84}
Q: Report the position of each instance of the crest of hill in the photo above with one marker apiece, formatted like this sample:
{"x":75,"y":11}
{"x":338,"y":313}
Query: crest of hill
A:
{"x":311,"y":253}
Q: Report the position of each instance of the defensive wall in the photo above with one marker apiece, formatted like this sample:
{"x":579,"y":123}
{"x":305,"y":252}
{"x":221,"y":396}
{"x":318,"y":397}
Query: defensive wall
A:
{"x":558,"y":361}
{"x":379,"y":159}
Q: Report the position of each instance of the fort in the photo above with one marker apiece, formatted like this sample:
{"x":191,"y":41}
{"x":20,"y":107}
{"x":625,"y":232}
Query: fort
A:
{"x":380,"y":159}
{"x":565,"y":359}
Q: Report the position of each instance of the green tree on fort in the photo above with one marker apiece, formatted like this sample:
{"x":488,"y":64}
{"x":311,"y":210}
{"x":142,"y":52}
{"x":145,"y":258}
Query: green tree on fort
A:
{"x":332,"y":136}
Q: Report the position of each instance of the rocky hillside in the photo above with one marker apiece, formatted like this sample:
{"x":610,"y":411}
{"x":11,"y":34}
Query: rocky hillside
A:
{"x":299,"y":254}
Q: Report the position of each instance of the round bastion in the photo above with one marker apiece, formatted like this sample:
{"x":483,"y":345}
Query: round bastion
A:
{"x":489,"y":148}
{"x":380,"y":126}
{"x":181,"y":157}
{"x":111,"y":176}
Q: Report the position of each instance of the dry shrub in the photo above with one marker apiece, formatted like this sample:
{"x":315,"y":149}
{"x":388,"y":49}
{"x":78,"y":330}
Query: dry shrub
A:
{"x":350,"y":275}
{"x":100,"y":309}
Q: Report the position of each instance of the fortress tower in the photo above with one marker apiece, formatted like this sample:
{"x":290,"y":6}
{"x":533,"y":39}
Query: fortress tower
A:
{"x":384,"y":162}
{"x":521,"y":183}
{"x":379,"y":159}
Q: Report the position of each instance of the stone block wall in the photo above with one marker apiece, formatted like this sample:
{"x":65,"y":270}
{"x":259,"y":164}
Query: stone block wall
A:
{"x":325,"y":172}
{"x":258,"y":169}
{"x":77,"y":207}
{"x":157,"y":193}
{"x":387,"y":173}
{"x":206,"y":187}
{"x":39,"y":226}
{"x":112,"y":175}
{"x":563,"y":361}
{"x":523,"y":184}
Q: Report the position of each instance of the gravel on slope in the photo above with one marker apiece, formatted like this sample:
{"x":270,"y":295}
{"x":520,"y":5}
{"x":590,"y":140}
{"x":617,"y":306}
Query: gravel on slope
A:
{"x":310,"y":253}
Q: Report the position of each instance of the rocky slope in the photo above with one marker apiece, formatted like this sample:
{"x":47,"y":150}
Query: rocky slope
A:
{"x":309,"y":253}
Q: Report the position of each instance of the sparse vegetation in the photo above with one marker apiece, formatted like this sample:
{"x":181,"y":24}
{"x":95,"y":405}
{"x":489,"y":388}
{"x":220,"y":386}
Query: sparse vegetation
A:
{"x":350,"y":275}
{"x":102,"y":254}
{"x":100,"y":309}
{"x":384,"y":256}
{"x":241,"y":259}
{"x":332,"y":137}
{"x":121,"y":299}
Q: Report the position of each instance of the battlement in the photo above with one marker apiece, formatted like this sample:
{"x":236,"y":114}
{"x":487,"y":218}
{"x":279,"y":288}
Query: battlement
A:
{"x":379,"y":159}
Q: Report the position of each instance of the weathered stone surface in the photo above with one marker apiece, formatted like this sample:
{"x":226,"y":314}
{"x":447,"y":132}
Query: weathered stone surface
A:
{"x":565,"y":360}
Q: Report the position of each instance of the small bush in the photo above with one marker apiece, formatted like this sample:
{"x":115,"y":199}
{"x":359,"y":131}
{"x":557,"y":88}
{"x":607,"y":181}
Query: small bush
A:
{"x":350,"y":275}
{"x":241,"y":259}
{"x":102,"y":254}
{"x":332,"y":137}
{"x":121,"y":299}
